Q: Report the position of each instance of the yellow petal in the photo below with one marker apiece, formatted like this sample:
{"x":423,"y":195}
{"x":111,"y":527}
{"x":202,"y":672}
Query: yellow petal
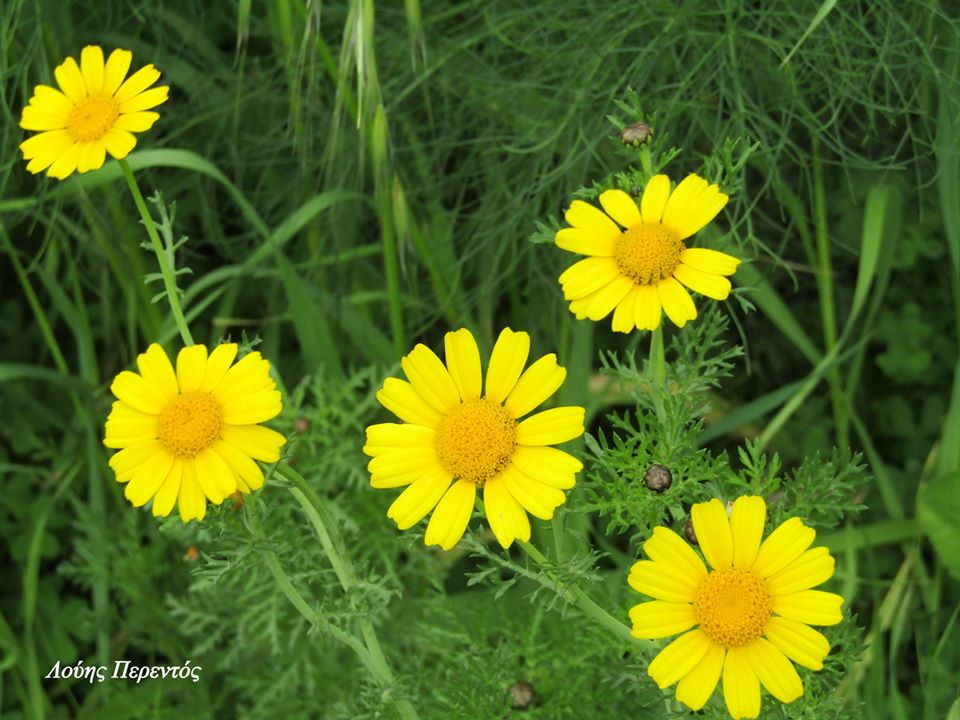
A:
{"x":677,"y":303}
{"x":551,"y":427}
{"x":148,"y":478}
{"x":712,"y":527}
{"x":126,"y":462}
{"x":815,"y":566}
{"x":258,"y":442}
{"x":663,"y":582}
{"x":191,"y":364}
{"x":91,"y":67}
{"x":668,"y":548}
{"x":584,"y":216}
{"x":797,"y":641}
{"x":506,"y":518}
{"x":683,"y":197}
{"x":119,"y":143}
{"x":620,"y":207}
{"x":115,"y":70}
{"x":401,"y":467}
{"x":166,"y":496}
{"x":192,"y":501}
{"x":813,"y":607}
{"x":217,"y":366}
{"x":137,"y":83}
{"x":36,"y":118}
{"x":430,"y":379}
{"x":679,"y":658}
{"x":51,"y":100}
{"x":65,"y":165}
{"x":247,"y":409}
{"x":449,"y":520}
{"x":70,"y":80}
{"x":783,"y":546}
{"x":249,"y":473}
{"x":658,"y":619}
{"x":696,"y":687}
{"x":773,"y":669}
{"x":746,"y":528}
{"x":419,"y":498}
{"x":741,"y":687}
{"x":712,"y":286}
{"x":216,"y":478}
{"x":145,"y":100}
{"x":547,"y":465}
{"x":46,"y":143}
{"x":463,"y":363}
{"x":689,"y":212}
{"x":155,"y":368}
{"x":709,"y":261}
{"x":126,"y":426}
{"x":385,"y":437}
{"x":506,"y":363}
{"x":585,"y":242}
{"x":541,"y":380}
{"x":624,"y":317}
{"x":49,"y":147}
{"x":604,"y":300}
{"x":536,"y":498}
{"x":402,"y":400}
{"x":654,"y":198}
{"x":587,"y":276}
{"x":92,"y":155}
{"x":138,"y":393}
{"x":647,"y":311}
{"x":136,"y":121}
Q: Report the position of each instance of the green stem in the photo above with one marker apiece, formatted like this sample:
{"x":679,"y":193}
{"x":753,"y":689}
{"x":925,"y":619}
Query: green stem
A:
{"x":645,"y":162}
{"x":166,"y":269}
{"x":827,"y":305}
{"x":335,"y":550}
{"x":579,"y":598}
{"x":657,"y":366}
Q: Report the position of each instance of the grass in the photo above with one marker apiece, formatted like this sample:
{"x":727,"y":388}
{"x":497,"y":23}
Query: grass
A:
{"x":343,"y":181}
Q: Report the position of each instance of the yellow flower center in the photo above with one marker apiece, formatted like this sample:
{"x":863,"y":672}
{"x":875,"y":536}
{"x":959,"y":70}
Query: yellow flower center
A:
{"x":475,"y":441}
{"x":92,"y":117}
{"x":648,"y":252}
{"x":732,"y":606}
{"x":190,"y":423}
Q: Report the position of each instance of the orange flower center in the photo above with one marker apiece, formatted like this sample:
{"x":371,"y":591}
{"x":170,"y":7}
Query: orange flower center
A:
{"x":92,"y":117}
{"x":732,"y":606}
{"x":648,"y":252}
{"x":190,"y":423}
{"x":476,"y":440}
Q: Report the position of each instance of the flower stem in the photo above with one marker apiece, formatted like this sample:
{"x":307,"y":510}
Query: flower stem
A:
{"x":335,"y":550}
{"x":579,"y":598}
{"x":166,"y":269}
{"x":657,"y":367}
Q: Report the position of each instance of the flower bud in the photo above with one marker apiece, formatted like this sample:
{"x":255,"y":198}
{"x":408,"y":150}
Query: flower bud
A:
{"x":690,"y":533}
{"x":636,"y":135}
{"x":658,"y":478}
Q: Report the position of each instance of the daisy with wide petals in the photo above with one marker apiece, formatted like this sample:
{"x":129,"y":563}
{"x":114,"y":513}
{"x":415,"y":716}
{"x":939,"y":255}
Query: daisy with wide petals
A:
{"x":638,"y":262}
{"x":95,"y":112}
{"x":454,"y":440}
{"x":750,"y":614}
{"x":192,"y":434}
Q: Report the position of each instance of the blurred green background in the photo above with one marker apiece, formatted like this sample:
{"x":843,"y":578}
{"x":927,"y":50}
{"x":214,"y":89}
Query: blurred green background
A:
{"x":356,"y":177}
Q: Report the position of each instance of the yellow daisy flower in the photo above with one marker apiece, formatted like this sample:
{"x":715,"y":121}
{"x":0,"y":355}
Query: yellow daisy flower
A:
{"x":192,"y":434}
{"x":638,"y":270}
{"x":93,"y":113}
{"x":750,"y":613}
{"x":453,"y":440}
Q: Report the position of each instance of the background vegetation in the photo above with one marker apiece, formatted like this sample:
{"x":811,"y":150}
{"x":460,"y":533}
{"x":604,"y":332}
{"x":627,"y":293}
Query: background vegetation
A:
{"x":355,"y":177}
